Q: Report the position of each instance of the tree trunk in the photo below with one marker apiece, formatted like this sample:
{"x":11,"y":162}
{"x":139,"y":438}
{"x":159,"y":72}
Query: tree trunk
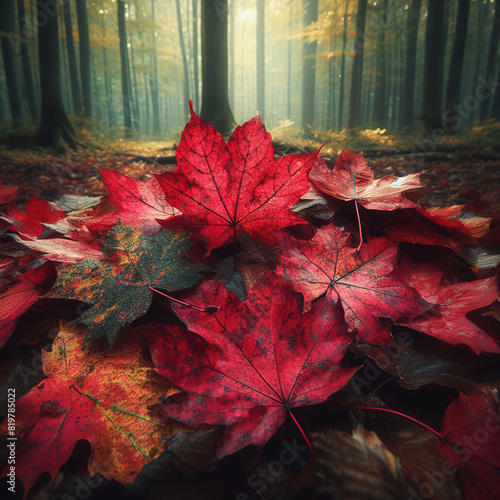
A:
{"x":54,"y":124}
{"x":401,"y":75}
{"x":309,"y":69}
{"x":433,"y":66}
{"x":342,"y":67}
{"x":25,"y":61}
{"x":451,"y":118}
{"x":196,"y":96}
{"x":408,"y":113}
{"x":492,"y":55}
{"x":261,"y":58}
{"x":380,"y":100}
{"x":85,"y":74}
{"x":73,"y":71}
{"x":289,"y":67}
{"x":232,"y":65}
{"x":184,"y":61}
{"x":154,"y":78}
{"x":495,"y":110}
{"x":215,"y":107}
{"x":481,"y":10}
{"x":330,"y":108}
{"x":8,"y":25}
{"x":65,"y":80}
{"x":122,"y":33}
{"x":135,"y":93}
{"x":357,"y":66}
{"x":133,"y":103}
{"x":107,"y":82}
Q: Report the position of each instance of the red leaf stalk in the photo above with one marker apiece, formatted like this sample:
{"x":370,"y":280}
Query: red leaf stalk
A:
{"x":405,"y":416}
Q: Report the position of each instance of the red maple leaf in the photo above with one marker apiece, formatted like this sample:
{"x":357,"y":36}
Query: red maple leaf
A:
{"x":95,"y":394}
{"x":17,"y":297}
{"x":7,"y":193}
{"x":224,"y":189}
{"x":449,"y":227}
{"x":247,"y":365}
{"x":362,"y":281}
{"x":137,"y":203}
{"x":78,"y":245}
{"x":471,"y":429}
{"x":352,"y":179}
{"x":447,"y":319}
{"x":30,"y":221}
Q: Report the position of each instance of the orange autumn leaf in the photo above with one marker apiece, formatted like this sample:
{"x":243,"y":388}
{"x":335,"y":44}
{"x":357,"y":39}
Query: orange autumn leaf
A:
{"x":95,"y":394}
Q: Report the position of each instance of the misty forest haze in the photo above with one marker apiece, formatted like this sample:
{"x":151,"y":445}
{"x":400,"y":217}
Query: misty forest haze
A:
{"x":308,"y":66}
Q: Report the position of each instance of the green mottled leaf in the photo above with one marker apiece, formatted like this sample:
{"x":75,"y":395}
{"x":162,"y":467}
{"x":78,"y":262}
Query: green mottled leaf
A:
{"x":117,"y":286}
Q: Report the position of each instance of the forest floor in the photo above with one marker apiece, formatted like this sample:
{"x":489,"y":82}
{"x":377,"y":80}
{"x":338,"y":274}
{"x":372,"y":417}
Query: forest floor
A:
{"x":454,"y":171}
{"x":449,"y":176}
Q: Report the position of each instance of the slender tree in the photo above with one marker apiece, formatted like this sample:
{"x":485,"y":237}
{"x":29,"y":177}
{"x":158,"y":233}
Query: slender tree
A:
{"x":380,"y":102}
{"x":481,"y":10}
{"x":408,"y":113}
{"x":261,"y":58}
{"x":153,"y":81}
{"x":127,"y":104}
{"x":456,"y":66}
{"x":8,"y":26}
{"x":289,"y":66}
{"x":26,"y":64}
{"x":357,"y":66}
{"x":495,"y":109}
{"x":70,"y":47}
{"x":232,"y":66}
{"x":196,"y":96}
{"x":215,"y":107}
{"x":85,"y":73}
{"x":54,"y":124}
{"x":184,"y":60}
{"x":342,"y":66}
{"x":132,"y":83}
{"x":309,"y":69}
{"x":107,"y":80}
{"x":492,"y":56}
{"x":330,"y":108}
{"x":433,"y":65}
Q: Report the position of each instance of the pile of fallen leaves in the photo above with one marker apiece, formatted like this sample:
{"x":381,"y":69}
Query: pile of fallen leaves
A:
{"x":244,"y":303}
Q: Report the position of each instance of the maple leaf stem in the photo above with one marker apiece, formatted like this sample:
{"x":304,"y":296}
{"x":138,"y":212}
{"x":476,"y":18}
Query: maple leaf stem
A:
{"x":359,"y":226}
{"x":208,"y":309}
{"x":405,"y":416}
{"x":234,"y":249}
{"x":302,"y":432}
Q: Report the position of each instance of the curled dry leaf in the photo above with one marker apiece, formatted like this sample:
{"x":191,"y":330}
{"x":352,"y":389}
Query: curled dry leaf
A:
{"x":79,"y":246}
{"x":357,"y":466}
{"x":352,"y":179}
{"x":30,"y":220}
{"x":137,"y":203}
{"x":419,"y":361}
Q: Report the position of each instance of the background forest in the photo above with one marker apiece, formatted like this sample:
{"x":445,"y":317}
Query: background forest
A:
{"x":169,"y":294}
{"x":308,"y":66}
